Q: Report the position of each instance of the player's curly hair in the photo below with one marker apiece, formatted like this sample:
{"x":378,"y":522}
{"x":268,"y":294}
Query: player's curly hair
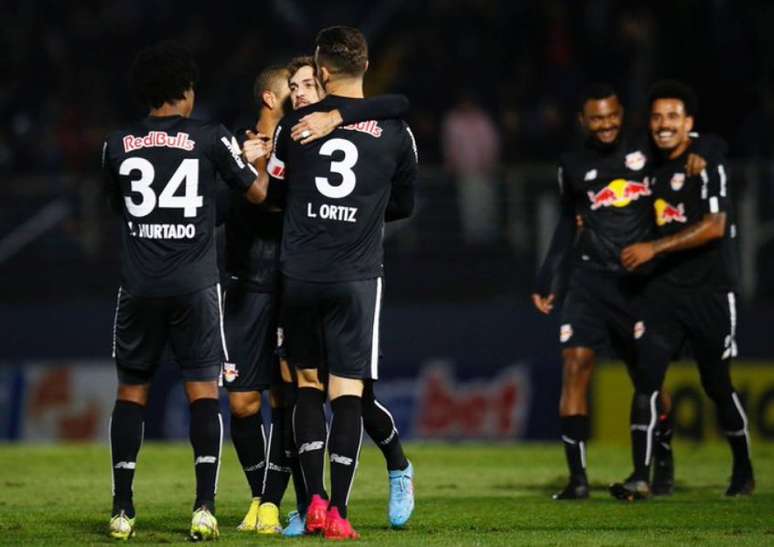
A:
{"x":674,"y":89}
{"x":342,"y":50}
{"x":162,"y":73}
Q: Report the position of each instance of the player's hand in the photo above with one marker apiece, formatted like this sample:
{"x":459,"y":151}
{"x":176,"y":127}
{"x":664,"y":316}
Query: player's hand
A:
{"x":694,"y":165}
{"x":256,"y":146}
{"x":315,"y":126}
{"x":544,"y":304}
{"x":634,"y":256}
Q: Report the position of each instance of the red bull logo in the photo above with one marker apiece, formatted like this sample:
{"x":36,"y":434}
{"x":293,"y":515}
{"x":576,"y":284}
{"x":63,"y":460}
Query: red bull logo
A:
{"x":619,"y":193}
{"x":666,"y":212}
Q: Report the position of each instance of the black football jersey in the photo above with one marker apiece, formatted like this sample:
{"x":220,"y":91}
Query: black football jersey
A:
{"x":680,"y":201}
{"x":610,"y":188}
{"x":337,"y":191}
{"x":161,"y":174}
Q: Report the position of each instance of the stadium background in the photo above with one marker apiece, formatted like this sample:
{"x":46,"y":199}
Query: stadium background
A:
{"x":467,"y":357}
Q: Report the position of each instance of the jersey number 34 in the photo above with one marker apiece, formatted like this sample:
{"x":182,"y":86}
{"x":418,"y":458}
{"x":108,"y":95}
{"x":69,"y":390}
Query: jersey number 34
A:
{"x":187,"y":171}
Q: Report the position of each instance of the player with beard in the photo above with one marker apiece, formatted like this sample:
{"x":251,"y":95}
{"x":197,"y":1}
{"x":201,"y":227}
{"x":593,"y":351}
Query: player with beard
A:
{"x":377,"y":421}
{"x":604,"y":187}
{"x":339,"y":192}
{"x":691,"y":296}
{"x":252,"y":242}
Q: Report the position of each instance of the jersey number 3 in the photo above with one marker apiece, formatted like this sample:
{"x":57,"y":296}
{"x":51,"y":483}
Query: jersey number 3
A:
{"x":342,"y":167}
{"x":189,"y":202}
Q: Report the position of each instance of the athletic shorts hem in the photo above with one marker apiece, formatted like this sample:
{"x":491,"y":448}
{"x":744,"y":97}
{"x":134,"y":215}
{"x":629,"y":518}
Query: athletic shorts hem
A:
{"x":246,"y":389}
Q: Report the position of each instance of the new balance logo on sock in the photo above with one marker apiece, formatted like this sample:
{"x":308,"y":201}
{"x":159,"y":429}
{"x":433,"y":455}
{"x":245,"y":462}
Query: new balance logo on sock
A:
{"x":740,"y":433}
{"x":388,"y":439}
{"x":206,"y":459}
{"x":125,"y":465}
{"x":279,"y":468}
{"x":636,"y":427}
{"x":255,"y":467}
{"x":308,"y":447}
{"x":343,"y":460}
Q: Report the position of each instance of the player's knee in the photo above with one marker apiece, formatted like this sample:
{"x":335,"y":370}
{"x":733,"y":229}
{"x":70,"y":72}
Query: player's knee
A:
{"x":308,"y":378}
{"x":339,"y":387}
{"x":134,"y":393}
{"x":577,"y":367}
{"x":244,"y":404}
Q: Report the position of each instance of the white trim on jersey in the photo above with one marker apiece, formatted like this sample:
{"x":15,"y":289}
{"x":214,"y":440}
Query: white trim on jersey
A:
{"x":375,"y":331}
{"x":221,"y":306}
{"x":651,"y":427}
{"x":413,"y":143}
{"x":115,"y":321}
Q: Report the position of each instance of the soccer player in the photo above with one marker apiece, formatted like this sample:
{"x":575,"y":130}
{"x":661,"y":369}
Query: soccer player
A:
{"x":605,"y":183}
{"x":338,"y":192}
{"x":160,"y":174}
{"x":252,"y":240}
{"x":691,"y":296}
{"x":377,"y":420}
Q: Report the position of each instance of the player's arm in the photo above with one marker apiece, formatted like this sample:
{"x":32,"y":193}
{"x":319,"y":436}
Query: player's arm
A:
{"x":235,"y":171}
{"x":110,"y":188}
{"x":401,"y":202}
{"x":553,"y":273}
{"x":319,"y":124}
{"x":712,"y":225}
{"x":276,"y":191}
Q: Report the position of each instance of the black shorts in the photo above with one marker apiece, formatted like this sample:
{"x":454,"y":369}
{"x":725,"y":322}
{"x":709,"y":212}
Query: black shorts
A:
{"x":333,"y":326}
{"x":704,"y":318}
{"x":250,"y":324}
{"x":190,"y":323}
{"x":600,"y":312}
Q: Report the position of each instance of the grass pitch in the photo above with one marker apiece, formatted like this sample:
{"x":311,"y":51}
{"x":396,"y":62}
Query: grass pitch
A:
{"x":467,"y":494}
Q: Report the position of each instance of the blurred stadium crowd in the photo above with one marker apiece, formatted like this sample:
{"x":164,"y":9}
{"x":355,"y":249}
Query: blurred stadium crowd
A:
{"x":508,"y":70}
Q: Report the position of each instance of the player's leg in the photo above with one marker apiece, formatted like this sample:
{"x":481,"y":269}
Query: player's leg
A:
{"x":578,"y":363}
{"x":304,"y":346}
{"x":139,"y":336}
{"x":656,"y":336}
{"x":198,"y":342}
{"x":663,"y":478}
{"x":351,"y":321}
{"x":713,"y":338}
{"x":380,"y":426}
{"x":249,"y":326}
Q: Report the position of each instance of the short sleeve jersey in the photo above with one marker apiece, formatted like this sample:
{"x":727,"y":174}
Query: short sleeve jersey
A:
{"x":611,"y":190}
{"x":336,"y":193}
{"x":161,"y":174}
{"x":679,"y":202}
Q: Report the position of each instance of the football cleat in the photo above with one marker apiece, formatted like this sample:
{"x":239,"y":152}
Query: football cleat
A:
{"x":338,"y":528}
{"x":630,"y":490}
{"x":204,"y":525}
{"x":250,"y":521}
{"x":121,"y":526}
{"x":576,"y":489}
{"x":296,"y":525}
{"x":663,"y":474}
{"x":741,"y":485}
{"x":401,"y":496}
{"x":268,"y":520}
{"x":316,"y":514}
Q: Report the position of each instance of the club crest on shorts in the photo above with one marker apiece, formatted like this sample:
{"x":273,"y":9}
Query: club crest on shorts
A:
{"x":590,"y":175}
{"x":635,"y":161}
{"x":280,"y":337}
{"x":639,"y":330}
{"x":678,"y":179}
{"x":565,"y":332}
{"x":230,"y":372}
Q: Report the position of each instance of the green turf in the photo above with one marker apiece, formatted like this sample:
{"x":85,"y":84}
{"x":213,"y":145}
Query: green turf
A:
{"x":467,"y":494}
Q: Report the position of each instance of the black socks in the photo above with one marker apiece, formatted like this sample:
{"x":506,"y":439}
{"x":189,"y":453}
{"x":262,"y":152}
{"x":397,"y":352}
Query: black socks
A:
{"x":575,"y":435}
{"x":278,"y":468}
{"x":310,"y":433}
{"x":206,"y":434}
{"x":248,"y":438}
{"x":126,"y":432}
{"x":380,"y":426}
{"x":346,"y":438}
